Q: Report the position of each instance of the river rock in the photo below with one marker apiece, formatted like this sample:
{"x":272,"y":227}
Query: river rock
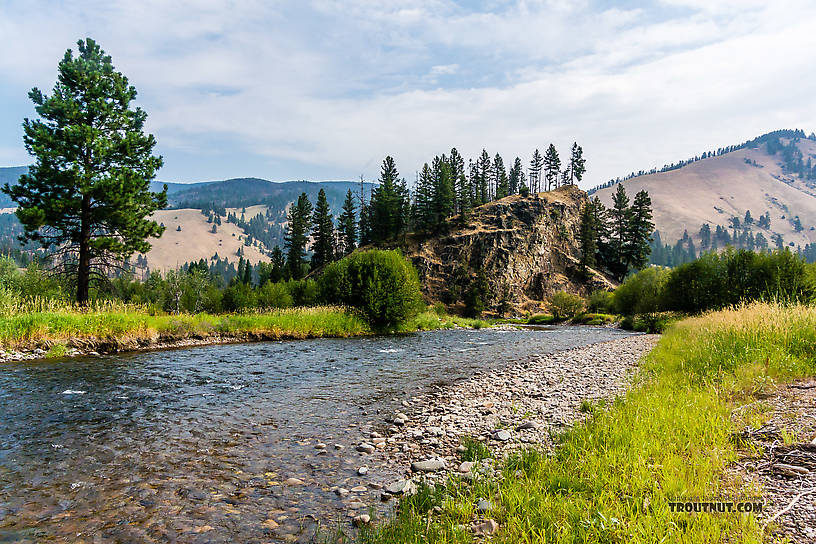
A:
{"x":359,"y":489}
{"x":362,"y":471}
{"x":429,"y":465}
{"x":527,"y":425}
{"x":484,"y":506}
{"x":488,"y":528}
{"x":362,"y":519}
{"x":502,"y":435}
{"x":466,"y":466}
{"x":366,"y":448}
{"x":401,"y":487}
{"x":320,"y":446}
{"x":293,"y":481}
{"x":341,"y":492}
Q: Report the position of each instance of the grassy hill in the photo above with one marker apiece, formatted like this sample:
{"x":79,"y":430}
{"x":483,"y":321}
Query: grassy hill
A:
{"x":766,"y":175}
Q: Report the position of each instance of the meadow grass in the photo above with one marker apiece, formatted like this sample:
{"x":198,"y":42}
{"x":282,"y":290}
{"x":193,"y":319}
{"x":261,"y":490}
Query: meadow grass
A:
{"x":131,"y":326}
{"x":668,"y":438}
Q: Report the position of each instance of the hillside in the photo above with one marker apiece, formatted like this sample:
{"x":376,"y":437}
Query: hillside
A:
{"x":526,"y":247}
{"x":251,"y":217}
{"x":759,"y":178}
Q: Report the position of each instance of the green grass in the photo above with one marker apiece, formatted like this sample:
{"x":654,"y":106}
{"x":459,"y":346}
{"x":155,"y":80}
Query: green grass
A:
{"x":128,"y":327}
{"x":434,"y":319}
{"x":612,"y":476}
{"x":594,"y":319}
{"x":474,"y":450}
{"x":541,"y":319}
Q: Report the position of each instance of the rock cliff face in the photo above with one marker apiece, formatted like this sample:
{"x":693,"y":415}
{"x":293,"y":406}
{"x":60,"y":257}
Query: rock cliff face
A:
{"x":526,"y":247}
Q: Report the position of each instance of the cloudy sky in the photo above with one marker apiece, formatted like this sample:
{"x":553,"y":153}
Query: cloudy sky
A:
{"x":321,"y":89}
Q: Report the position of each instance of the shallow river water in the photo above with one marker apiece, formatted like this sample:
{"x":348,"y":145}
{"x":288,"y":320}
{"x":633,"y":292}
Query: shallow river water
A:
{"x":192,"y":445}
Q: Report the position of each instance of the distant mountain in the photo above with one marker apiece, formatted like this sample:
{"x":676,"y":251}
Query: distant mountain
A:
{"x":773,"y":175}
{"x":249,"y":216}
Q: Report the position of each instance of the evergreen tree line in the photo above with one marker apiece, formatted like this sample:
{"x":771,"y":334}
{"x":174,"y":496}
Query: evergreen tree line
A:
{"x":617,"y":240}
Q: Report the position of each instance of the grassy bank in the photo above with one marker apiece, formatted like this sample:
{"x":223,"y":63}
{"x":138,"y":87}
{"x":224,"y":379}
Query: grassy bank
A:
{"x":52,"y":325}
{"x":668,"y":438}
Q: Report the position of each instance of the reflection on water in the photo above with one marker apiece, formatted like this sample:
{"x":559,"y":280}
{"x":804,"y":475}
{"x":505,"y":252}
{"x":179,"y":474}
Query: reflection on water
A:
{"x":193,"y":445}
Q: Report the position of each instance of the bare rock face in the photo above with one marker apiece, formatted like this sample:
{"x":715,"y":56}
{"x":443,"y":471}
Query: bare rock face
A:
{"x":527,"y":248}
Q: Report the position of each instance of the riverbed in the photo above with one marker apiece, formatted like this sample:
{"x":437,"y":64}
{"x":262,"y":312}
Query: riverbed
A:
{"x":229,"y":443}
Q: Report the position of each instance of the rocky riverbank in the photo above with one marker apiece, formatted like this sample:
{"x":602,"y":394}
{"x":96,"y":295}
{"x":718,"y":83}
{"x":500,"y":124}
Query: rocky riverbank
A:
{"x":504,"y":409}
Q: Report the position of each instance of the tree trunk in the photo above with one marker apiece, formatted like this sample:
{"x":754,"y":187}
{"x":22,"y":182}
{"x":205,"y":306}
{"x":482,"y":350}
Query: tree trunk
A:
{"x":84,"y":265}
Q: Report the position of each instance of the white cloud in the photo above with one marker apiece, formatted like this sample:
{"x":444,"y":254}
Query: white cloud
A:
{"x":338,"y":85}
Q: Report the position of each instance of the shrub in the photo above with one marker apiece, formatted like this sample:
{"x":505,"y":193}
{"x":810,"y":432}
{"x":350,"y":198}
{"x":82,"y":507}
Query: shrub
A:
{"x":303,"y":292}
{"x":601,"y":302}
{"x":715,"y":281}
{"x":274,"y":295}
{"x":238,"y":298}
{"x":383,"y":285}
{"x":566,"y":305}
{"x":642,"y":292}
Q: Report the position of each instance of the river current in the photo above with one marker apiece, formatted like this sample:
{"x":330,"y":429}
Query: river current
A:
{"x":193,"y":445}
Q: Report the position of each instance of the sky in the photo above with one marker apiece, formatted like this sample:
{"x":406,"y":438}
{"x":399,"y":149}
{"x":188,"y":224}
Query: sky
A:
{"x":324,"y":90}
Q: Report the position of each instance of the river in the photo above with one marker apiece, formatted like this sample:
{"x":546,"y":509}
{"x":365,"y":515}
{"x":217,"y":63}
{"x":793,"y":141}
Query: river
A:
{"x":193,"y":445}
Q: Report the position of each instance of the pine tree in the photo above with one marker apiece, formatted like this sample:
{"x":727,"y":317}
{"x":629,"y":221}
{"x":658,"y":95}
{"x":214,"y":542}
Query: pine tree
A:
{"x":641,"y":227}
{"x":423,"y":200}
{"x":536,"y":166}
{"x":577,"y":164}
{"x":347,"y":224}
{"x":588,"y":237}
{"x":620,"y":223}
{"x":483,"y":167}
{"x":296,"y":236}
{"x":500,"y":177}
{"x":443,"y":194}
{"x":389,"y":209}
{"x":322,"y":233}
{"x":552,"y":167}
{"x":516,"y":178}
{"x":88,"y":192}
{"x":456,"y":164}
{"x":247,"y":279}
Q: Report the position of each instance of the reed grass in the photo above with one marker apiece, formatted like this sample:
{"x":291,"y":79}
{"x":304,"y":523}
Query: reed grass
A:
{"x":668,"y":438}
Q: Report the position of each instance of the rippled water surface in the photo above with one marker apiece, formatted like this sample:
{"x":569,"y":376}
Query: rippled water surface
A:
{"x":192,"y":445}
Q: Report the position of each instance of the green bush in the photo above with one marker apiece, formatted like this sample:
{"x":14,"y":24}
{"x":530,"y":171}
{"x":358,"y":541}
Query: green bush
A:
{"x":642,"y":292}
{"x":239,"y":298}
{"x":566,"y":305}
{"x":601,"y":302}
{"x":274,"y":295}
{"x":383,"y":285}
{"x":303,"y":292}
{"x":715,"y":281}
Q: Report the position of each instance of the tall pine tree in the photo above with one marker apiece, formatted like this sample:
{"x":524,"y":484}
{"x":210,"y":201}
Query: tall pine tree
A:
{"x":640,"y":231}
{"x":621,"y":219}
{"x":347,"y":224}
{"x":516,"y":178}
{"x":500,"y":177}
{"x":322,"y":233}
{"x":296,"y":237}
{"x":536,"y":166}
{"x":577,"y":164}
{"x":552,"y":167}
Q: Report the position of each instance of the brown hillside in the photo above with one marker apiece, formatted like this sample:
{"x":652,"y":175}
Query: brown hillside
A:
{"x":715,"y":189}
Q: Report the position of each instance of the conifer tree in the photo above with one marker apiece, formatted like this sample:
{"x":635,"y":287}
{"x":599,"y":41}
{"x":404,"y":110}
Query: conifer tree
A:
{"x":323,"y":232}
{"x":296,"y":236}
{"x":389,"y":209}
{"x":247,"y":279}
{"x":516,"y":177}
{"x":588,"y":237}
{"x":483,"y":166}
{"x":577,"y":164}
{"x":347,"y":224}
{"x":500,"y":177}
{"x":536,"y":166}
{"x":88,"y":192}
{"x":443,"y":194}
{"x":621,"y":218}
{"x":423,"y":200}
{"x":640,"y":230}
{"x":456,"y":165}
{"x":552,"y":167}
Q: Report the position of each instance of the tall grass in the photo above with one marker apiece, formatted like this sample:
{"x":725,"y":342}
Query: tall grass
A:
{"x":128,"y":326}
{"x":668,"y":438}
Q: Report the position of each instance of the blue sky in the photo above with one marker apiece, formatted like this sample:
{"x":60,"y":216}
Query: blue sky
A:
{"x":316,"y":89}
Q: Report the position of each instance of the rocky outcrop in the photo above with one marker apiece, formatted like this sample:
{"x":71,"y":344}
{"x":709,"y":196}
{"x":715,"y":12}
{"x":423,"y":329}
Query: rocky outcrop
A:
{"x":526,"y":247}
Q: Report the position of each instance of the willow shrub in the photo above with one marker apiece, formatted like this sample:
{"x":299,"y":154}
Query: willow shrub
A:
{"x":382,"y":285}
